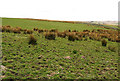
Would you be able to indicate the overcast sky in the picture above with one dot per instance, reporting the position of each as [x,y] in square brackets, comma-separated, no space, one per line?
[71,10]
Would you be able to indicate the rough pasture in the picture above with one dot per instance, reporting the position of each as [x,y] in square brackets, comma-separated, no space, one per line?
[27,56]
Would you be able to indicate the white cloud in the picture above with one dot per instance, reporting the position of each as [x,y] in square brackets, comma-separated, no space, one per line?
[79,10]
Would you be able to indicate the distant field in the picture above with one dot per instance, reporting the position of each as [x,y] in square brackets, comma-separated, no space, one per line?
[30,24]
[59,58]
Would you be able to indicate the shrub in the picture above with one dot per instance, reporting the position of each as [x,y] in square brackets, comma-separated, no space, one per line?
[112,48]
[104,42]
[50,35]
[32,40]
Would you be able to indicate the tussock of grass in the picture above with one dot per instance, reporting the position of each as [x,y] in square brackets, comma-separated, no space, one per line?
[32,40]
[50,36]
[104,42]
[112,48]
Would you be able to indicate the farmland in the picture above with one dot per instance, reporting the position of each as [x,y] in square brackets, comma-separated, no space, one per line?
[58,50]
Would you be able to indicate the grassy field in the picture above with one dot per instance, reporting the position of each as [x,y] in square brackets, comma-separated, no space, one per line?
[55,59]
[30,24]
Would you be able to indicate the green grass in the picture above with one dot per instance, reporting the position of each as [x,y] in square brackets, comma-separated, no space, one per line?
[46,59]
[30,24]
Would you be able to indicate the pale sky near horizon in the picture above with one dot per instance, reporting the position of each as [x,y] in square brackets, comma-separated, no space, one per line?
[70,10]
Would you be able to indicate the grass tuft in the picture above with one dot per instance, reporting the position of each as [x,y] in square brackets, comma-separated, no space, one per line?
[50,35]
[104,42]
[112,48]
[32,40]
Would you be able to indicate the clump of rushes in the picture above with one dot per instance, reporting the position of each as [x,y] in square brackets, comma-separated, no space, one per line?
[71,37]
[112,48]
[15,30]
[35,29]
[45,30]
[32,40]
[40,30]
[4,28]
[74,31]
[104,42]
[8,30]
[50,35]
[28,31]
[61,34]
[53,30]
